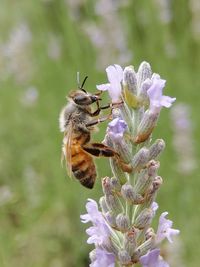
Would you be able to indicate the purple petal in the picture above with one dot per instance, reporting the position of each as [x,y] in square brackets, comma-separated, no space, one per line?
[154,207]
[156,97]
[115,75]
[103,259]
[116,129]
[167,101]
[103,87]
[164,229]
[153,259]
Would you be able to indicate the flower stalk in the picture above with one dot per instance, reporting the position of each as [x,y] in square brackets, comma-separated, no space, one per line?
[122,231]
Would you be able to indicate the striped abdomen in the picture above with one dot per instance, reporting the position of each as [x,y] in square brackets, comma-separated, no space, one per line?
[82,163]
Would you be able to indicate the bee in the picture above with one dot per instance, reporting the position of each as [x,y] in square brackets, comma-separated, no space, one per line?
[77,123]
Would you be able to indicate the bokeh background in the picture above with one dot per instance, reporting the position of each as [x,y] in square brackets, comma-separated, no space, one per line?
[43,43]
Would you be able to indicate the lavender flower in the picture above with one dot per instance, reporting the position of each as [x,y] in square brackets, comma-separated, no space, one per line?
[116,129]
[99,232]
[164,229]
[102,258]
[157,100]
[115,75]
[122,232]
[153,259]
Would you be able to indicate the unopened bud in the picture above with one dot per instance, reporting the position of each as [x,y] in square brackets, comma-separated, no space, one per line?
[144,218]
[118,172]
[157,182]
[146,126]
[103,205]
[130,79]
[151,194]
[124,257]
[129,194]
[146,246]
[140,159]
[149,233]
[122,222]
[116,186]
[152,167]
[113,203]
[130,242]
[146,177]
[111,218]
[156,148]
[106,185]
[143,96]
[144,72]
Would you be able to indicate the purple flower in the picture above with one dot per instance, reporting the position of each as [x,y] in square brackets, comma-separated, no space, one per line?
[99,233]
[103,259]
[164,229]
[154,207]
[116,129]
[153,259]
[157,99]
[115,75]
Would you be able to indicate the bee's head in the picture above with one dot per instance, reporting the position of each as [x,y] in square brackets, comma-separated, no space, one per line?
[83,98]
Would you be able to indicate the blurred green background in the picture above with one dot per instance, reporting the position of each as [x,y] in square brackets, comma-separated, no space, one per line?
[43,43]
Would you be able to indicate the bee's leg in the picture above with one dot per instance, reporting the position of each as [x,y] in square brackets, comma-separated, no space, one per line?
[101,150]
[99,108]
[97,121]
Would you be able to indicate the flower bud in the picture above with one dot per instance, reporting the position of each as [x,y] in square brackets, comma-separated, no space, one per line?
[149,233]
[144,72]
[124,257]
[146,126]
[143,219]
[145,177]
[118,172]
[130,242]
[113,203]
[143,96]
[151,194]
[122,222]
[140,159]
[116,186]
[130,87]
[130,79]
[156,148]
[106,185]
[147,245]
[129,194]
[110,218]
[103,205]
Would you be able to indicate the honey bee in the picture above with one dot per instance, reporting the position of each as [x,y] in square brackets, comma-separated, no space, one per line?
[77,124]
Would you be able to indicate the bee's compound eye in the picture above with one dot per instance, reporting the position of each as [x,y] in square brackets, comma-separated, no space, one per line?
[81,99]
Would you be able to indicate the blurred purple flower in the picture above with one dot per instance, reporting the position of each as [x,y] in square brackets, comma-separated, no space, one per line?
[116,129]
[164,229]
[99,233]
[157,99]
[103,259]
[153,259]
[115,75]
[154,207]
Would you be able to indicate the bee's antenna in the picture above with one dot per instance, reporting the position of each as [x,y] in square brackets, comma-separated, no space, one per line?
[78,78]
[78,81]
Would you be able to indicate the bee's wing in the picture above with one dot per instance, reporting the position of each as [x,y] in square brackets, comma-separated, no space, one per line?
[66,150]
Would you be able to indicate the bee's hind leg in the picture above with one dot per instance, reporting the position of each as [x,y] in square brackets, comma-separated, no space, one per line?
[101,150]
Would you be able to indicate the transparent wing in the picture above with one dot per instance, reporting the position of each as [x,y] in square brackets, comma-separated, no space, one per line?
[66,150]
